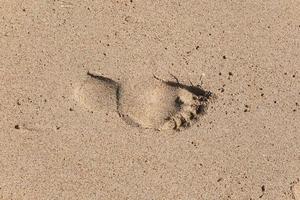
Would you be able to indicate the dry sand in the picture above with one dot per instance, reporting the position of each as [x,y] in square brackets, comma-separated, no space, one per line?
[61,134]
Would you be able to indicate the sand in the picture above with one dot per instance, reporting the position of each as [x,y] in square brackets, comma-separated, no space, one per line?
[65,136]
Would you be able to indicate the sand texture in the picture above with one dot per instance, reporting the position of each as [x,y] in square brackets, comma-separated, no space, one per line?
[136,99]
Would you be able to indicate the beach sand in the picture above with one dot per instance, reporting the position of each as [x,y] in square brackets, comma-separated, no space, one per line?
[67,135]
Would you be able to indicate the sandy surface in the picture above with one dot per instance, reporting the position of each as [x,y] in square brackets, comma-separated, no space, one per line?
[61,135]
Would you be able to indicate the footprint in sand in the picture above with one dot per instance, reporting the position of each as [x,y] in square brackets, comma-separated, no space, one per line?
[154,103]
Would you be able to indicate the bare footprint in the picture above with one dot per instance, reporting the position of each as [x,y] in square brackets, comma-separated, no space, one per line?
[153,103]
